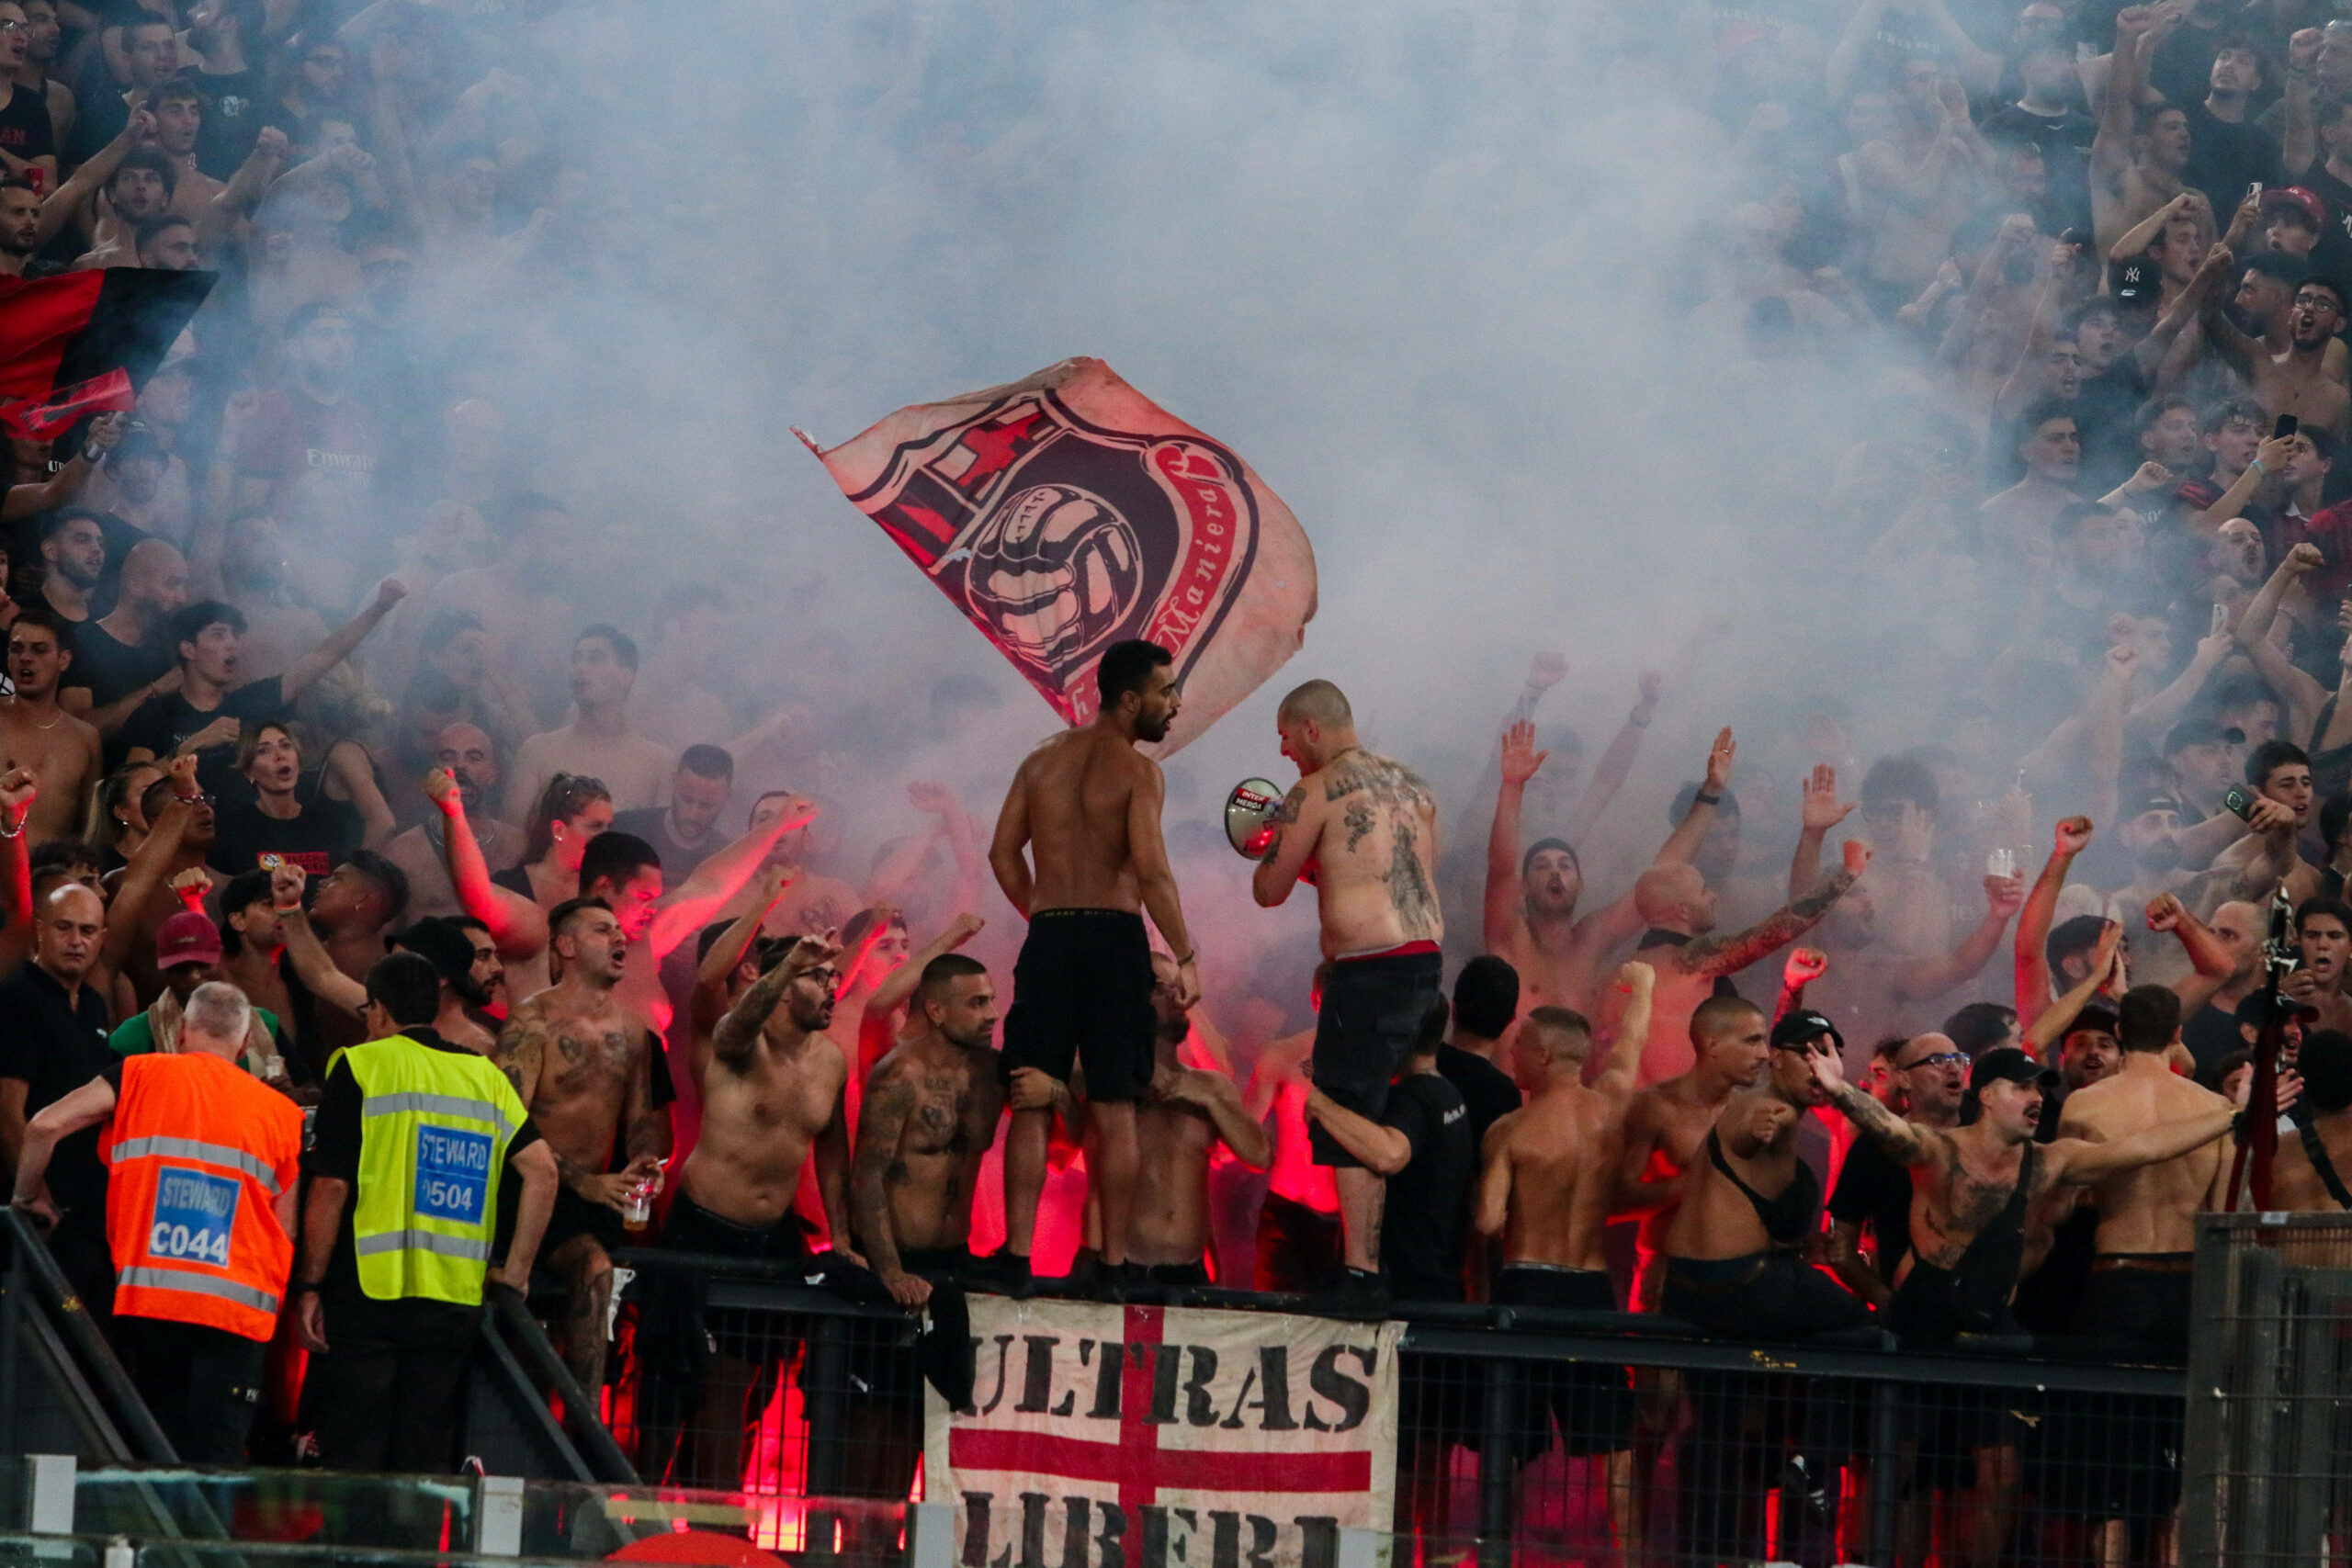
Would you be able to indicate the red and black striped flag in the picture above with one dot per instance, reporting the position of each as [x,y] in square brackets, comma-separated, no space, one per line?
[84,343]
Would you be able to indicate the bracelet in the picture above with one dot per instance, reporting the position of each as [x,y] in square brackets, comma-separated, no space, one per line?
[1187,958]
[304,1287]
[17,831]
[2257,468]
[1704,798]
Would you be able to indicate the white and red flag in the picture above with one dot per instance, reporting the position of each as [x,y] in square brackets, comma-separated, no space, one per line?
[1067,511]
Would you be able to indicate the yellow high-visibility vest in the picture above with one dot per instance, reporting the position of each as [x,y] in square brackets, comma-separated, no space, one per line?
[434,1131]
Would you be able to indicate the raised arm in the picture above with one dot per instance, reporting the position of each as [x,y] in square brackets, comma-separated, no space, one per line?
[1621,1070]
[2031,960]
[892,993]
[2118,117]
[740,1030]
[2050,1024]
[1932,977]
[30,500]
[16,792]
[1619,920]
[1729,955]
[516,924]
[150,860]
[311,963]
[340,642]
[699,900]
[59,207]
[1821,811]
[1505,899]
[1902,1142]
[1616,763]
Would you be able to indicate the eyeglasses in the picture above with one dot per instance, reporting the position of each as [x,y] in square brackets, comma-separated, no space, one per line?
[1941,1059]
[14,26]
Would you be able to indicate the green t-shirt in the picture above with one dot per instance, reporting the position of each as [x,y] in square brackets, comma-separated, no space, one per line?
[137,1037]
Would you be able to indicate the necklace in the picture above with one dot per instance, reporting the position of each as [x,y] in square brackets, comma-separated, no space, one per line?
[53,724]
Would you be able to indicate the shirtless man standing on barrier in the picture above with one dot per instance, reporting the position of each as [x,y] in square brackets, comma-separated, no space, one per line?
[1368,826]
[1087,803]
[1550,1172]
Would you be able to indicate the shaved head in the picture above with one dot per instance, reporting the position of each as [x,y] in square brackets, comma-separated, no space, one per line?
[1319,703]
[1719,1016]
[1663,892]
[1559,1032]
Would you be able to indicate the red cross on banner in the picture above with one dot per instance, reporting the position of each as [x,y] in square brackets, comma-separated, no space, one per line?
[1145,1425]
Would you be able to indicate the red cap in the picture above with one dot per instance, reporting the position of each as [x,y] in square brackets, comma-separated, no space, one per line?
[186,938]
[2306,202]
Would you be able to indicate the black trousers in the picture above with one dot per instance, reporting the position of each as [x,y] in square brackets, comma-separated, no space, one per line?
[386,1407]
[202,1383]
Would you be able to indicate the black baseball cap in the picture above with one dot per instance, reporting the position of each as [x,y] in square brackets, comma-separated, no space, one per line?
[2135,280]
[1803,1025]
[2096,1018]
[2254,1010]
[2006,1064]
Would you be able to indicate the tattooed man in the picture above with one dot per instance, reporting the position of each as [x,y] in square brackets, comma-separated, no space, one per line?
[1364,828]
[584,1065]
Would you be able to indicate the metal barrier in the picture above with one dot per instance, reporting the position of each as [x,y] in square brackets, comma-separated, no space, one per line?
[1575,1434]
[2270,1449]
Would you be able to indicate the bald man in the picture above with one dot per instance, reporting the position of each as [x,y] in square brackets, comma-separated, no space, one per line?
[1679,907]
[470,756]
[1367,827]
[126,656]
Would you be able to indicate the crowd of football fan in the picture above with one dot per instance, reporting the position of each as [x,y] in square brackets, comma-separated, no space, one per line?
[368,942]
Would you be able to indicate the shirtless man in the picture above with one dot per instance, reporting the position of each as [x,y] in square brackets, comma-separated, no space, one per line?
[1185,1115]
[1298,1223]
[1366,827]
[471,757]
[2313,1173]
[583,1066]
[1089,803]
[2134,169]
[2139,1284]
[1549,1175]
[2308,380]
[1666,1125]
[771,1082]
[1679,910]
[1530,906]
[599,742]
[61,751]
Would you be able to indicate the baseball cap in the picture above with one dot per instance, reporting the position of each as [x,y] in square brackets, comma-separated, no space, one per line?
[439,944]
[186,938]
[2200,732]
[2096,1018]
[2154,800]
[1802,1025]
[2303,201]
[2006,1064]
[2254,1010]
[2135,280]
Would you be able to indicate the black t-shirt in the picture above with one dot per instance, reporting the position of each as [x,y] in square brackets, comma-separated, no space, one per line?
[160,724]
[2223,159]
[2210,1035]
[2065,139]
[55,1046]
[1420,1249]
[1874,1193]
[25,130]
[652,823]
[2330,258]
[319,839]
[1486,1089]
[351,1313]
[515,880]
[2106,415]
[110,667]
[233,117]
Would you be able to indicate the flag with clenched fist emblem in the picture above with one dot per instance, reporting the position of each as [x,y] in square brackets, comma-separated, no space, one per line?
[1068,512]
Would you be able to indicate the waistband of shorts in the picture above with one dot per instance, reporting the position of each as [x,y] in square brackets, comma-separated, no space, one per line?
[1309,1210]
[1557,1270]
[1402,950]
[1036,915]
[2145,1262]
[785,1221]
[1707,1275]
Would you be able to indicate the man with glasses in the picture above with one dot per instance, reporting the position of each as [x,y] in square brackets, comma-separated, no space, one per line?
[1929,1075]
[28,136]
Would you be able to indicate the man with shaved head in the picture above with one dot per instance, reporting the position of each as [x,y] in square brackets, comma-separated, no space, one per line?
[1365,829]
[54,1042]
[471,757]
[123,658]
[1679,907]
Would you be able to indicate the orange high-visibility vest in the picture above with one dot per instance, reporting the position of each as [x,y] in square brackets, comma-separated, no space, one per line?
[199,1149]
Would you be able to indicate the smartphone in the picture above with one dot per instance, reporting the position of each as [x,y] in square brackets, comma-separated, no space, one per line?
[2221,620]
[2238,801]
[2285,426]
[2255,190]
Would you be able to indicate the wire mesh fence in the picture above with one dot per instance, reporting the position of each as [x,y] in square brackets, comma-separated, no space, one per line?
[2269,1446]
[1601,1438]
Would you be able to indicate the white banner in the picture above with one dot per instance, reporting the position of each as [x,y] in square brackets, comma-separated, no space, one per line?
[1110,1436]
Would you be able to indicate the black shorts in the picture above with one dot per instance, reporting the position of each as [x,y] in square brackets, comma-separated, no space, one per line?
[1081,992]
[574,1216]
[1764,1295]
[1298,1247]
[2133,1444]
[879,1367]
[1591,1404]
[745,1336]
[1372,1009]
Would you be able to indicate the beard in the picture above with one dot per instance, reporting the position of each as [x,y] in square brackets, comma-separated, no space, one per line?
[1152,729]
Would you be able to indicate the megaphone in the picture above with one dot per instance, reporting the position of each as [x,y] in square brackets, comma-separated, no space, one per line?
[1250,816]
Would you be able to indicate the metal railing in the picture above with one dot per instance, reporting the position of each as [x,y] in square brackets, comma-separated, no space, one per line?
[2269,1465]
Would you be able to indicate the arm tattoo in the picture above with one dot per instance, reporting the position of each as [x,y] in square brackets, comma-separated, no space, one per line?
[741,1025]
[1285,816]
[880,1123]
[1899,1140]
[1728,954]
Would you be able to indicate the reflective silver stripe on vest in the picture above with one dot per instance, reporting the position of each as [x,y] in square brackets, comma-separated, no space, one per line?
[192,1148]
[200,1284]
[447,1104]
[423,1241]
